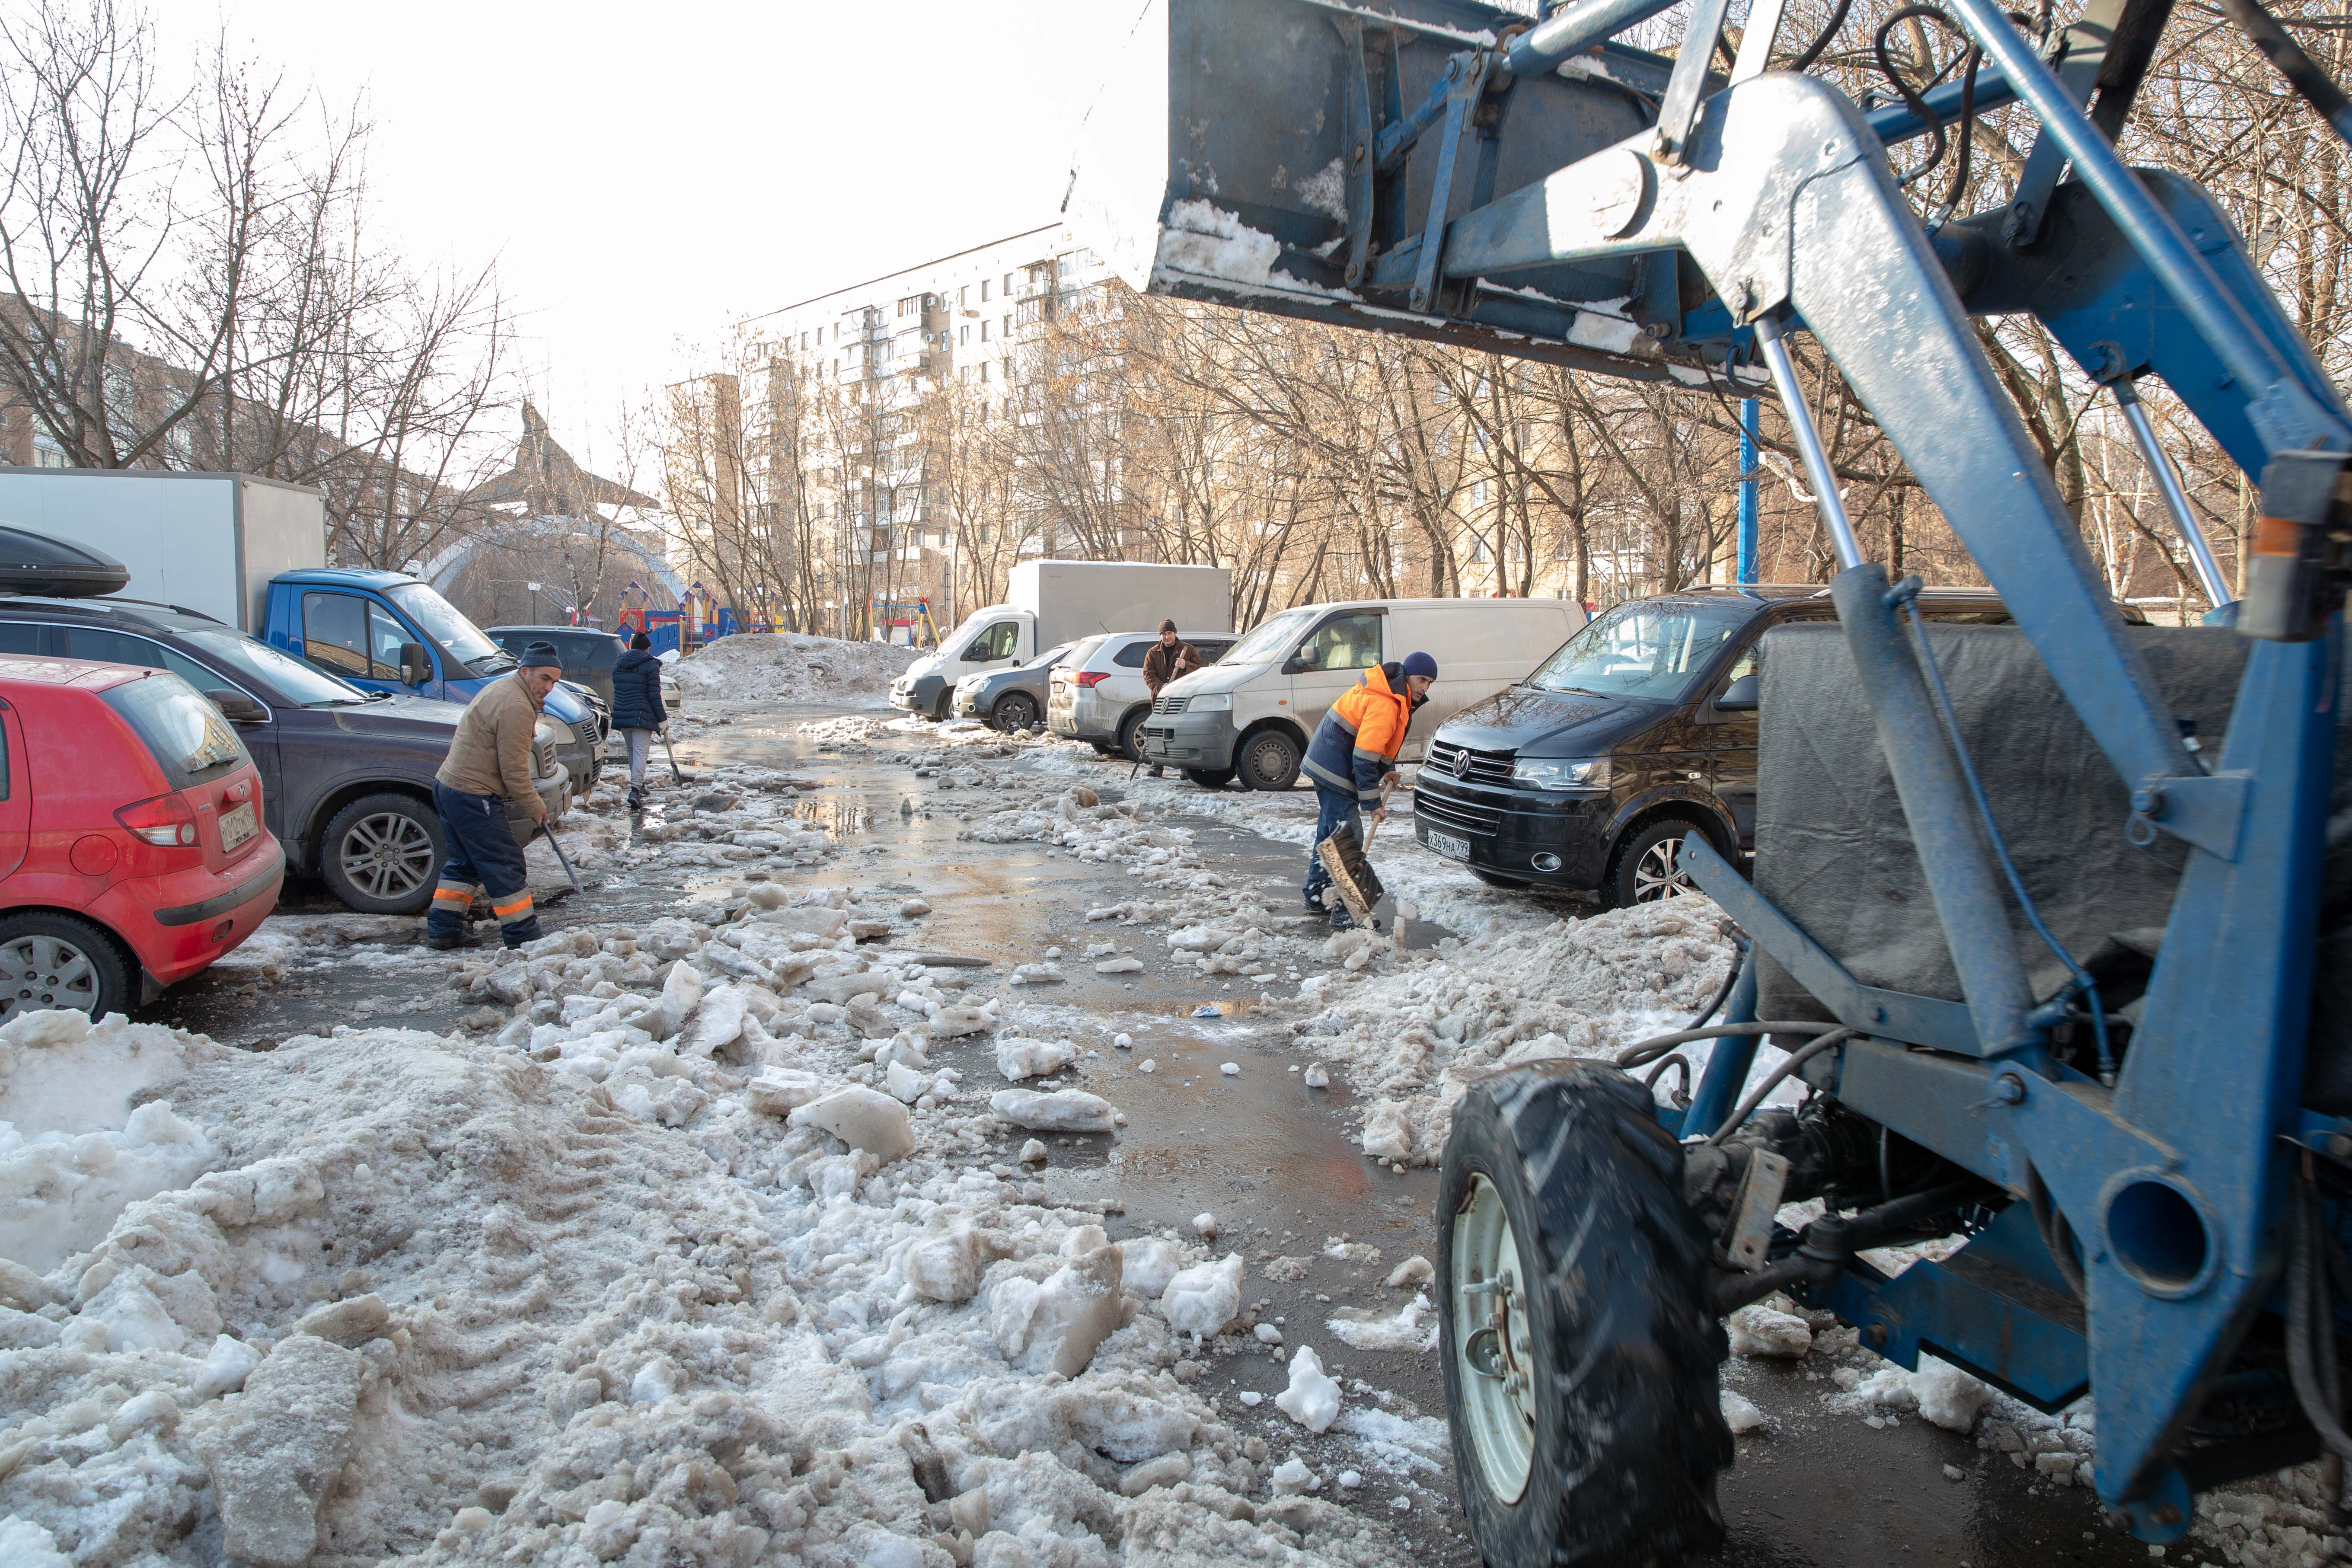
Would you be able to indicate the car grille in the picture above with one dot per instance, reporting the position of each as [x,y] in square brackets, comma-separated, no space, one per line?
[1468,765]
[587,729]
[1168,705]
[1454,815]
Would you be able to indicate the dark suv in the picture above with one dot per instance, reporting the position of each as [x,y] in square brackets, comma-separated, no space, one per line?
[1639,731]
[346,774]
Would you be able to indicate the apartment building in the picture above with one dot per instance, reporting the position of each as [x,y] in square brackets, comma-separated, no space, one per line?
[850,401]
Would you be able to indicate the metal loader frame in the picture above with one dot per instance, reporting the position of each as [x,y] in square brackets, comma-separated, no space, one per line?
[1773,191]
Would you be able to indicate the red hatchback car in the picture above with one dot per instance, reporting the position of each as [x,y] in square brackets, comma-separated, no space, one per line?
[131,848]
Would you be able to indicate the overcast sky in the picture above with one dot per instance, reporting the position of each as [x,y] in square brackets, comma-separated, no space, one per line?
[645,174]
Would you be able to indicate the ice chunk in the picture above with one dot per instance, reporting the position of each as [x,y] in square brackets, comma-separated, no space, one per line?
[863,1119]
[1151,1262]
[1387,1134]
[782,1091]
[1230,1069]
[1317,1076]
[1948,1396]
[1166,1470]
[1313,1398]
[1121,1041]
[1032,1153]
[1413,1327]
[1063,1111]
[1018,1058]
[1120,966]
[281,1445]
[1055,1326]
[948,1268]
[1268,1334]
[1203,1298]
[1739,1413]
[905,1084]
[226,1368]
[23,1544]
[1759,1331]
[1292,1476]
[1204,1224]
[1410,1273]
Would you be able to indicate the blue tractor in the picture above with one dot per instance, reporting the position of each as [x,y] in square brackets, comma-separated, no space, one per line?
[2069,974]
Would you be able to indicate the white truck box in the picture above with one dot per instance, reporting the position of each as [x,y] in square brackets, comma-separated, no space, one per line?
[1050,602]
[209,543]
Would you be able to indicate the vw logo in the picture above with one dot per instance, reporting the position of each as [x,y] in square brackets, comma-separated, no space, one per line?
[1462,764]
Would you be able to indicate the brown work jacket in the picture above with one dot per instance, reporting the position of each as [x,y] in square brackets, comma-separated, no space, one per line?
[1164,664]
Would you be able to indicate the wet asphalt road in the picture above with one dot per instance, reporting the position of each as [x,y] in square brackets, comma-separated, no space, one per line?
[1274,1161]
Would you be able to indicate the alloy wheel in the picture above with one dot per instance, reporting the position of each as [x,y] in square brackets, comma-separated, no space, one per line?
[41,972]
[1656,875]
[387,855]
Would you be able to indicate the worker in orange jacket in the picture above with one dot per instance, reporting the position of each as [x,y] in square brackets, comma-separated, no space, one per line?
[1354,754]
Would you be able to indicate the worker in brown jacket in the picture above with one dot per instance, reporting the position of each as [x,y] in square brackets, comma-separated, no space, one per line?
[489,765]
[1170,659]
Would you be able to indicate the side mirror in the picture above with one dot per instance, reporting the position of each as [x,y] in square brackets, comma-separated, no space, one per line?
[236,707]
[1295,663]
[1740,697]
[415,670]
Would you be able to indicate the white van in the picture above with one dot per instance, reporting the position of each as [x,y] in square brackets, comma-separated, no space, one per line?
[1253,712]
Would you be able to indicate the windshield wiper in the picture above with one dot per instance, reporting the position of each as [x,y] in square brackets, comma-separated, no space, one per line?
[339,702]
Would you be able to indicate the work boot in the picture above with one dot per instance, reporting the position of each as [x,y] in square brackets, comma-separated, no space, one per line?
[637,798]
[452,943]
[1157,772]
[1314,902]
[1340,919]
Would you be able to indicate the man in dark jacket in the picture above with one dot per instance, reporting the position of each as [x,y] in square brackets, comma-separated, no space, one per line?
[1170,659]
[637,709]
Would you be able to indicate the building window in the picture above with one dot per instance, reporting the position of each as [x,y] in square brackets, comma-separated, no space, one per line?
[983,331]
[963,335]
[963,295]
[983,290]
[1008,284]
[1008,326]
[983,373]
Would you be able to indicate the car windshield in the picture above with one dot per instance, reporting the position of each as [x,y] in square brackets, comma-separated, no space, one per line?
[1050,658]
[1649,648]
[1272,640]
[447,624]
[291,679]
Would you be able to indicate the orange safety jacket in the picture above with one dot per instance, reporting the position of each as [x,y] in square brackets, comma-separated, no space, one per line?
[1357,742]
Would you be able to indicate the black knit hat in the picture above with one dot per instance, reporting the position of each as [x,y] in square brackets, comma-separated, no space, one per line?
[542,654]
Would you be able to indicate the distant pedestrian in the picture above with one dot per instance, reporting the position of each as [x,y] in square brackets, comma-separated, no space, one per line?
[637,711]
[1170,659]
[488,766]
[1355,754]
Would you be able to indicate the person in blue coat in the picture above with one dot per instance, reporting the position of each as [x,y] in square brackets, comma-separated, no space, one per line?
[637,709]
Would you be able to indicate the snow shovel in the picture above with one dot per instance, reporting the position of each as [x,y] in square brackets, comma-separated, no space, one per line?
[663,733]
[1352,875]
[563,860]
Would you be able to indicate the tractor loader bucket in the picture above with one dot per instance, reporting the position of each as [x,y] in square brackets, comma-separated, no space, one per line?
[1234,156]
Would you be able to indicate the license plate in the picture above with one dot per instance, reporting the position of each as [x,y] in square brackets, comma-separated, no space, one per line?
[238,826]
[1446,844]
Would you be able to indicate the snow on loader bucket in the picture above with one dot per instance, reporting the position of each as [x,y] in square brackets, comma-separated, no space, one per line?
[2119,1061]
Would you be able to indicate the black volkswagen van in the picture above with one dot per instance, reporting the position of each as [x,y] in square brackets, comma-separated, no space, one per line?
[1640,731]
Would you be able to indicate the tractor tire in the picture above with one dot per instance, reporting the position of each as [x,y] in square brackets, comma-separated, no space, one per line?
[1268,760]
[1013,710]
[1585,1414]
[1642,872]
[1210,778]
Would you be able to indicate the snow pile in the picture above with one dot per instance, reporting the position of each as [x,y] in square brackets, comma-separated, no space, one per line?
[791,667]
[81,1137]
[1414,1035]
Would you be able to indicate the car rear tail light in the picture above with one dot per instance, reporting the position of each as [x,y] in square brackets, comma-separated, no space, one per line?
[166,821]
[1093,677]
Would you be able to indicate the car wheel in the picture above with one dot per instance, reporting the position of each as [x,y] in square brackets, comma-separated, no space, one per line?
[53,959]
[1645,870]
[1210,778]
[1268,760]
[1579,1345]
[1130,735]
[944,708]
[380,853]
[1015,710]
[1496,880]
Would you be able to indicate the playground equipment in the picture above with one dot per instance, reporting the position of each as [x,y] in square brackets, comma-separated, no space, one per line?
[2103,1061]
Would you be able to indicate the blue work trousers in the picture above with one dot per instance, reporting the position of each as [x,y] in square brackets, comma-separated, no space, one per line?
[484,856]
[1334,808]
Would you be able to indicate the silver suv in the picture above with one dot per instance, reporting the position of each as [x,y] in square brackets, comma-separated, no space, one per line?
[1097,692]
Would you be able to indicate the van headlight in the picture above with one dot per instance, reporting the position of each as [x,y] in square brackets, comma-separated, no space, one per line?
[1561,773]
[1210,702]
[547,732]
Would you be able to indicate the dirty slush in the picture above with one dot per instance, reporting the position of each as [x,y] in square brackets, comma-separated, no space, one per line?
[720,1235]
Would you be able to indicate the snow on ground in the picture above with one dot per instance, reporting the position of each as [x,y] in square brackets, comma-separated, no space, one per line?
[791,667]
